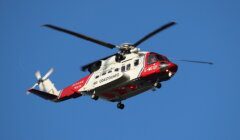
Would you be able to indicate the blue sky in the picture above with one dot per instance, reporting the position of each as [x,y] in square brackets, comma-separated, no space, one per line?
[200,102]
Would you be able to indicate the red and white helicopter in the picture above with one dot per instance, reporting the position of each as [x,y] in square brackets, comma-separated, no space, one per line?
[114,78]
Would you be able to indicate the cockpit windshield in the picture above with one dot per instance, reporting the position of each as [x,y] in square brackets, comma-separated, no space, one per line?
[152,58]
[160,58]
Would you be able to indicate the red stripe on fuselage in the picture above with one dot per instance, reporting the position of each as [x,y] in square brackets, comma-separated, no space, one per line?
[74,88]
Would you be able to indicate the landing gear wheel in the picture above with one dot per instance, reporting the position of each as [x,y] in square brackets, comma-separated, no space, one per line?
[95,97]
[157,85]
[120,105]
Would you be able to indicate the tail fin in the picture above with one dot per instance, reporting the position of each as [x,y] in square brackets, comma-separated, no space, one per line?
[48,86]
[47,90]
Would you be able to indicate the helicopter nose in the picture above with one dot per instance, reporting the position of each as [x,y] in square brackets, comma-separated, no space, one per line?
[172,67]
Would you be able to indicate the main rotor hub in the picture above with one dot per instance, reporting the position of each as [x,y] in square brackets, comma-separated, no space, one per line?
[126,47]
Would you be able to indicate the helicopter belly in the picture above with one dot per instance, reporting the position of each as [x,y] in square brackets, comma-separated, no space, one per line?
[127,90]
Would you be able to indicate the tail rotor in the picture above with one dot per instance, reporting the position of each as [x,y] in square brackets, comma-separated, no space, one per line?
[41,79]
[46,90]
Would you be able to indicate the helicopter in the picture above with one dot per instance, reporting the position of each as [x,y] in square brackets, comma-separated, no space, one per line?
[114,78]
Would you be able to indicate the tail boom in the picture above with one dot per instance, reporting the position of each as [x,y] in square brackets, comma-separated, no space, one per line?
[48,91]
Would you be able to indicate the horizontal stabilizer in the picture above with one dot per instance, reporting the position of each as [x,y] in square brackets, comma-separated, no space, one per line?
[43,94]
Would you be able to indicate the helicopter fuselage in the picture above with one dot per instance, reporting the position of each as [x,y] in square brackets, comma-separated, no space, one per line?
[117,81]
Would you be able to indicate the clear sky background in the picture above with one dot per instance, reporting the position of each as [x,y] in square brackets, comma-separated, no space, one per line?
[200,103]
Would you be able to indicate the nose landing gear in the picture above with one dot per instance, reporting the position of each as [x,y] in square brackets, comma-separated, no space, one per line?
[94,97]
[157,85]
[120,105]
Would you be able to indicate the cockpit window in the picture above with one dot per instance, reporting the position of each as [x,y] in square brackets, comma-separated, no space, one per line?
[160,58]
[152,58]
[165,58]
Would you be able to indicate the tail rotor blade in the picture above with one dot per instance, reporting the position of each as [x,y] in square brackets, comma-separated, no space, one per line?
[34,85]
[38,75]
[47,74]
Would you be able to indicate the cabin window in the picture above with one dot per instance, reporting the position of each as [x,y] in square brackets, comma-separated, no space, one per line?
[123,68]
[136,62]
[128,66]
[103,73]
[96,76]
[117,69]
[109,71]
[152,58]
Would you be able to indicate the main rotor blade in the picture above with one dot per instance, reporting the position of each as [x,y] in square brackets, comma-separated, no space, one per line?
[154,33]
[194,61]
[105,44]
